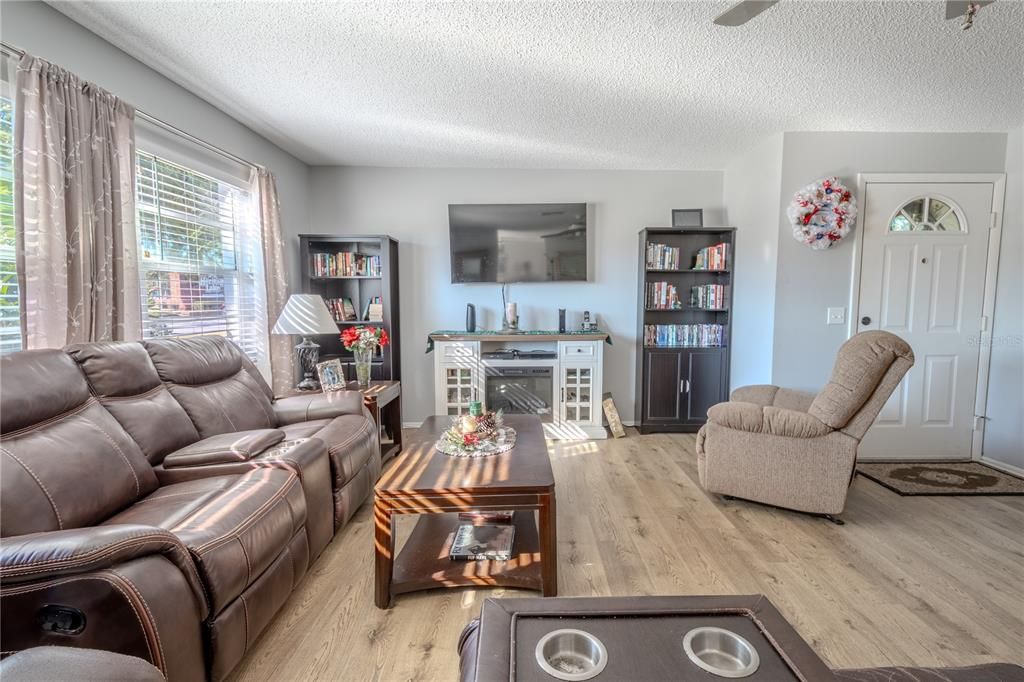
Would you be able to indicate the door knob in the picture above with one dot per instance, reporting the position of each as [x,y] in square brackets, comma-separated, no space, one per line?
[865,320]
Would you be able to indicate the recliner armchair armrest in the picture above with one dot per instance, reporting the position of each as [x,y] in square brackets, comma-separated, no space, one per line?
[328,405]
[38,556]
[767,394]
[767,419]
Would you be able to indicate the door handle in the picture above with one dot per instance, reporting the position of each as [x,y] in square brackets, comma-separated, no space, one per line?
[684,386]
[865,320]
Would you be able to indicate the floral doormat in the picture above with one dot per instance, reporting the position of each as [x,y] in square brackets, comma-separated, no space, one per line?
[941,478]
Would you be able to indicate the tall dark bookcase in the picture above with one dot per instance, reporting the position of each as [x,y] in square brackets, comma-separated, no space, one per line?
[679,378]
[360,289]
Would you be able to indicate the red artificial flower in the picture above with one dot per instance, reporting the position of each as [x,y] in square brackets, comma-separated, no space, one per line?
[834,236]
[470,439]
[384,340]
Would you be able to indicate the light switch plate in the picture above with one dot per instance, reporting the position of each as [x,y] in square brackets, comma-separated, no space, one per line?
[837,316]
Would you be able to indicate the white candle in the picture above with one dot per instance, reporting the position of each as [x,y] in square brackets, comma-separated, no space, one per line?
[510,313]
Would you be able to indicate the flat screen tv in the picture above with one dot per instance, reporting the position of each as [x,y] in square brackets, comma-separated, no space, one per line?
[518,242]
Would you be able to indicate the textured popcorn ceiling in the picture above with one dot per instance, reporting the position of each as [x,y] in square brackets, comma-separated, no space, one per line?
[572,85]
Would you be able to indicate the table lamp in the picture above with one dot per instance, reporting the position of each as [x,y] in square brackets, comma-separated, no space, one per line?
[306,314]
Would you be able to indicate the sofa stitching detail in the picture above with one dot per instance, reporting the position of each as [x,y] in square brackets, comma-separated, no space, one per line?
[248,520]
[56,418]
[135,396]
[110,439]
[151,619]
[60,522]
[92,555]
[338,446]
[248,563]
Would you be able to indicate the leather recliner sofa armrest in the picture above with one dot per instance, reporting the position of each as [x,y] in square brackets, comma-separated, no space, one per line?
[39,556]
[767,419]
[224,448]
[303,408]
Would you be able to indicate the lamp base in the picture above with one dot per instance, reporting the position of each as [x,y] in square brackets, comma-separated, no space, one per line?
[309,354]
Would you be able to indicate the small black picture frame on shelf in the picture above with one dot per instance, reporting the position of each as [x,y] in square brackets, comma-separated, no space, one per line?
[688,217]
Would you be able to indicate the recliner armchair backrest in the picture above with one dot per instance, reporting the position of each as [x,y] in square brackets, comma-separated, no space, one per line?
[868,368]
[214,381]
[124,379]
[67,463]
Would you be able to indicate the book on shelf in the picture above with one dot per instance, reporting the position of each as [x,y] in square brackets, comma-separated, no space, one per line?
[346,264]
[684,335]
[709,296]
[341,309]
[485,517]
[489,541]
[712,257]
[663,296]
[374,310]
[663,257]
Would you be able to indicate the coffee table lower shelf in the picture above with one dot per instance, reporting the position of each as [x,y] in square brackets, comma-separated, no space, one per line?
[423,561]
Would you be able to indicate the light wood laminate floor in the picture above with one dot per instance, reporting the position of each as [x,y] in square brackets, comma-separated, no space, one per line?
[908,580]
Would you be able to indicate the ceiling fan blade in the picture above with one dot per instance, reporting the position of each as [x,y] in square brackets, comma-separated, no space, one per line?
[742,12]
[957,8]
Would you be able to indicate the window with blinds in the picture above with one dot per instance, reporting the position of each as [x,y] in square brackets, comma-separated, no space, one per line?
[200,256]
[10,324]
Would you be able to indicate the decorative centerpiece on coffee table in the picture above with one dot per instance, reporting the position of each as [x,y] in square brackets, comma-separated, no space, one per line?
[477,434]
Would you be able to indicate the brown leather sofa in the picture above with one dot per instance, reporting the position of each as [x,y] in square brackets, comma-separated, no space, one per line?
[156,501]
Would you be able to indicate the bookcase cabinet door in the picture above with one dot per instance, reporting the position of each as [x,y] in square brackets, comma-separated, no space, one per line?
[705,372]
[664,383]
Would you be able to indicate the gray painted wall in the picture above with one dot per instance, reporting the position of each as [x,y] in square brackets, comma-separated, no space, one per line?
[752,186]
[412,206]
[45,32]
[1004,430]
[808,282]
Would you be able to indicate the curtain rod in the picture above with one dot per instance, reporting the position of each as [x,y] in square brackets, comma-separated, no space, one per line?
[15,52]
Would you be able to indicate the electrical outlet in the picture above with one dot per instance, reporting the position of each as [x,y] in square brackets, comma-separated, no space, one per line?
[836,315]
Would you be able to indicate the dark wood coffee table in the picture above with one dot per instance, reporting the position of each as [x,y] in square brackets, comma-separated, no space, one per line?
[429,483]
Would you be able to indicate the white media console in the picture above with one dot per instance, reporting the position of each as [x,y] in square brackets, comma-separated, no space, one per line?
[555,376]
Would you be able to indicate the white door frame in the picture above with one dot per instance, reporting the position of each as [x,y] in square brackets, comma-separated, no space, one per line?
[998,181]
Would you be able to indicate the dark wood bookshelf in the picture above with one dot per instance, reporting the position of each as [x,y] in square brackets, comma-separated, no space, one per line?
[360,289]
[676,384]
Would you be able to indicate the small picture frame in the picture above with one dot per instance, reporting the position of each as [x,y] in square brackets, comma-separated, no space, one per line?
[332,375]
[688,217]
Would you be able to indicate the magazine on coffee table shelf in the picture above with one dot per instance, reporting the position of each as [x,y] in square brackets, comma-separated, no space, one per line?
[485,517]
[489,541]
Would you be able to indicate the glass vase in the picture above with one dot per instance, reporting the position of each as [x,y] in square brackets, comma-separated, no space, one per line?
[363,359]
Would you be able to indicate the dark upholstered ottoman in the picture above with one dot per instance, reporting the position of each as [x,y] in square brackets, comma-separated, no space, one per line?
[642,639]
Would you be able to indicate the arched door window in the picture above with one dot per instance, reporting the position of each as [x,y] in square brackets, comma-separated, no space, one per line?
[926,214]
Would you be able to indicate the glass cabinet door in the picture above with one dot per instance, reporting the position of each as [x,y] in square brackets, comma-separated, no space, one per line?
[577,389]
[460,388]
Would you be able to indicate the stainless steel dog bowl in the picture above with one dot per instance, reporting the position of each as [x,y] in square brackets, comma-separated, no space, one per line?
[571,655]
[721,652]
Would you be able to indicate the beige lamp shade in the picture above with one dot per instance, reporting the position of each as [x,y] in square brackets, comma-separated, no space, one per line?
[305,314]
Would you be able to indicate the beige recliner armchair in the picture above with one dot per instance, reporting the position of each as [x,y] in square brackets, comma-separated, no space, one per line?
[797,450]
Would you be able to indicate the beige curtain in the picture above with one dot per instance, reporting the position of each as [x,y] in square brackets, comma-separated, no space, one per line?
[74,170]
[282,355]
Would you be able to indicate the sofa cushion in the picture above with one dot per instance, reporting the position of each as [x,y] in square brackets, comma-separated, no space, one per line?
[860,365]
[123,377]
[234,526]
[351,441]
[215,382]
[53,431]
[767,419]
[224,448]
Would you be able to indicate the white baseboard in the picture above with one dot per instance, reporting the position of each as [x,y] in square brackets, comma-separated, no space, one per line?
[1002,466]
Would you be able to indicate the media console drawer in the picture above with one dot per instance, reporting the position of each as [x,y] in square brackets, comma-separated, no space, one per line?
[586,349]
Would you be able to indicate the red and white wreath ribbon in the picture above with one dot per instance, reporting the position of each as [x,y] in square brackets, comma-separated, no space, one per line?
[822,213]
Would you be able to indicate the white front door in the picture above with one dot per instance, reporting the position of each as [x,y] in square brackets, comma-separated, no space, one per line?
[922,278]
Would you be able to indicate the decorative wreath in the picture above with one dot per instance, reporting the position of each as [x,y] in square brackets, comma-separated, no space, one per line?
[822,213]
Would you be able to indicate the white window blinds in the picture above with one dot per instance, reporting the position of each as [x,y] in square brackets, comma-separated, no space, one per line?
[10,323]
[200,256]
